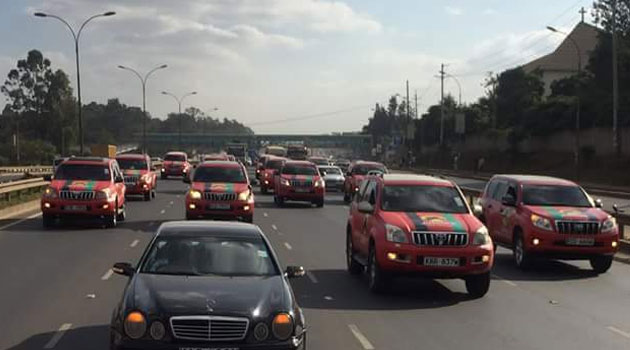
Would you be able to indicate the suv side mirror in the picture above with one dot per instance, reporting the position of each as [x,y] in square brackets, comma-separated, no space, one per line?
[509,201]
[119,179]
[294,271]
[123,268]
[598,203]
[48,178]
[365,207]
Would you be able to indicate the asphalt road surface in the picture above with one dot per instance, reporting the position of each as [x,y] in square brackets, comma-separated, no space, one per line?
[57,291]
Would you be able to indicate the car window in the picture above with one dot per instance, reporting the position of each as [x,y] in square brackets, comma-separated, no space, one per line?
[96,172]
[299,170]
[492,185]
[438,199]
[553,195]
[361,191]
[274,164]
[499,191]
[370,191]
[511,191]
[364,169]
[132,164]
[175,157]
[219,174]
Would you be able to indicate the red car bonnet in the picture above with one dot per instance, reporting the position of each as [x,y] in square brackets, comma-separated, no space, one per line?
[568,213]
[423,221]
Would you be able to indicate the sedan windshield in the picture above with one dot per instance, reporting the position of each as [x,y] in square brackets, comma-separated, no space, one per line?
[132,164]
[364,169]
[219,174]
[199,256]
[299,170]
[551,195]
[82,172]
[438,199]
[175,157]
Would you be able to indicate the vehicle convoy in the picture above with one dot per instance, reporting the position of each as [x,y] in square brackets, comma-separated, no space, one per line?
[208,285]
[318,160]
[299,181]
[270,170]
[539,216]
[85,187]
[139,175]
[238,150]
[220,190]
[297,152]
[414,225]
[357,171]
[175,164]
[333,176]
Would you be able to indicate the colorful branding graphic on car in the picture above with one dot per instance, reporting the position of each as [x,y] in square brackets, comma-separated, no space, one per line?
[219,187]
[78,185]
[559,213]
[132,172]
[435,221]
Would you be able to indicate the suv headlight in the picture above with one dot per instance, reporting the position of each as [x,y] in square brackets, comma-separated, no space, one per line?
[395,234]
[285,182]
[481,237]
[104,194]
[320,183]
[609,225]
[541,222]
[194,194]
[243,196]
[50,192]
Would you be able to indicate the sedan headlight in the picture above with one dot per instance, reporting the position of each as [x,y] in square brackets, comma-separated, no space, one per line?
[282,326]
[194,194]
[541,222]
[395,234]
[481,237]
[50,192]
[135,325]
[243,196]
[320,183]
[609,225]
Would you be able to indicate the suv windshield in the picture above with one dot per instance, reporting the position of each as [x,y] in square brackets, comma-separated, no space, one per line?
[175,157]
[438,199]
[198,256]
[299,170]
[274,164]
[552,195]
[82,172]
[132,164]
[219,174]
[364,169]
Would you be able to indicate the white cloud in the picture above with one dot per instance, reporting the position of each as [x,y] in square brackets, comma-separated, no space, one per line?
[489,12]
[453,10]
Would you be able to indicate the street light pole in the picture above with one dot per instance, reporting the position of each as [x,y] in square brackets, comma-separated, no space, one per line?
[143,81]
[76,35]
[179,108]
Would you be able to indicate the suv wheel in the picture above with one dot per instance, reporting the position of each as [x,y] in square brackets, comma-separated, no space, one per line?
[478,285]
[602,263]
[263,190]
[48,221]
[346,197]
[111,221]
[248,219]
[147,196]
[319,203]
[376,277]
[519,253]
[353,266]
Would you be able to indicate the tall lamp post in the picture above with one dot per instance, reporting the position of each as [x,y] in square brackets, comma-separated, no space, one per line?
[143,81]
[576,151]
[179,110]
[77,35]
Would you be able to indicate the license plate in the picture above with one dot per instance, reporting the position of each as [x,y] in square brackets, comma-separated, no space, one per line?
[219,206]
[434,261]
[195,348]
[583,242]
[75,207]
[302,190]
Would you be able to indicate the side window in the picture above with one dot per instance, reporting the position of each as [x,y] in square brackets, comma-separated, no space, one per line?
[359,195]
[511,190]
[499,190]
[492,185]
[370,192]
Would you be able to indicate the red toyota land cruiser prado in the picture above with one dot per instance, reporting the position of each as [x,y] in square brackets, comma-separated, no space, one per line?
[85,187]
[270,170]
[539,216]
[140,179]
[299,180]
[356,172]
[419,226]
[221,190]
[175,164]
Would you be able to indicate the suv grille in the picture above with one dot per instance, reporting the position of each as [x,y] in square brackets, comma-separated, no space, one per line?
[578,227]
[298,183]
[220,197]
[446,239]
[131,179]
[77,195]
[214,328]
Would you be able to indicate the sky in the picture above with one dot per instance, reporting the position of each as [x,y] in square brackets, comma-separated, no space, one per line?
[285,66]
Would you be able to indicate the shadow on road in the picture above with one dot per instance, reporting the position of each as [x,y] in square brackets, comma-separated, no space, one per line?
[86,226]
[540,270]
[92,337]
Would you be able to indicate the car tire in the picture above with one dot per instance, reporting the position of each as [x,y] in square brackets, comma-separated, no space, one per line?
[320,203]
[189,216]
[478,285]
[377,280]
[111,221]
[519,253]
[601,263]
[263,190]
[147,196]
[346,197]
[248,219]
[48,221]
[153,193]
[163,177]
[354,268]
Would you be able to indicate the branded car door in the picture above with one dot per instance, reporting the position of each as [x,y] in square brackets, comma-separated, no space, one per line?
[369,195]
[507,214]
[492,209]
[357,217]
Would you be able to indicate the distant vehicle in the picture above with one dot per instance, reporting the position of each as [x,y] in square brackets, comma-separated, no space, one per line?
[231,158]
[220,190]
[356,172]
[238,150]
[277,151]
[156,160]
[297,152]
[540,216]
[89,187]
[270,171]
[175,164]
[260,166]
[139,175]
[342,164]
[299,181]
[416,226]
[208,285]
[333,176]
[215,157]
[105,151]
[319,160]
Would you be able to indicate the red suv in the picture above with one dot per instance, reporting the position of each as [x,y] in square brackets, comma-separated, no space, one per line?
[420,226]
[139,175]
[551,217]
[270,170]
[175,164]
[260,166]
[356,173]
[299,180]
[220,189]
[85,187]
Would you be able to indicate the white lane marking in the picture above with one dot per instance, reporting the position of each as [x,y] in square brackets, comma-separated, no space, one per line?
[57,336]
[178,196]
[274,227]
[107,275]
[163,211]
[265,214]
[619,331]
[170,203]
[360,337]
[288,246]
[328,298]
[508,282]
[311,276]
[20,221]
[134,243]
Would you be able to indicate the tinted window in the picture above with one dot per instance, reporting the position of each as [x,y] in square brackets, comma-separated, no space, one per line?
[437,199]
[274,164]
[330,170]
[499,191]
[492,185]
[299,170]
[362,187]
[184,255]
[219,174]
[175,157]
[82,172]
[364,169]
[370,191]
[132,164]
[570,196]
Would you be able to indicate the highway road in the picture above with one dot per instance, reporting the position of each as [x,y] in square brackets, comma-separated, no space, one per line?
[58,292]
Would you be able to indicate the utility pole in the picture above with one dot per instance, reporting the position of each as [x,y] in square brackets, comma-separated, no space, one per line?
[442,74]
[615,79]
[415,95]
[408,116]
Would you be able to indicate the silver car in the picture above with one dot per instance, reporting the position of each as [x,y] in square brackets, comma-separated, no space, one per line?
[333,176]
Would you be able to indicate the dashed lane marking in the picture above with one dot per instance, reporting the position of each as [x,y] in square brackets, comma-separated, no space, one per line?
[20,221]
[365,343]
[170,203]
[618,331]
[134,243]
[274,227]
[288,246]
[311,276]
[508,282]
[265,214]
[107,275]
[163,211]
[57,336]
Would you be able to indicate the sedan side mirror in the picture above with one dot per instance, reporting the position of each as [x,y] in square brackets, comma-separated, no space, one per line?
[186,179]
[295,271]
[598,203]
[48,178]
[123,268]
[365,207]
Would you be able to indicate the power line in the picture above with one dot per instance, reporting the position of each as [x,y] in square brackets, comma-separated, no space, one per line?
[307,117]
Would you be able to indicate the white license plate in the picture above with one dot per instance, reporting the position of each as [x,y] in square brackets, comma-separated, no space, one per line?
[582,242]
[434,261]
[219,206]
[302,190]
[75,207]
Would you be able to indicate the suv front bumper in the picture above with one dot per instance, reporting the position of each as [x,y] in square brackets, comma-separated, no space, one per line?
[570,246]
[59,207]
[209,209]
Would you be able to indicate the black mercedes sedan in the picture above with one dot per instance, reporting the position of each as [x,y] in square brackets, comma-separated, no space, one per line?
[208,285]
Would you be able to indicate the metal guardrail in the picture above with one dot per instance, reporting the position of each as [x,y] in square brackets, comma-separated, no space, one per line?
[41,169]
[17,189]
